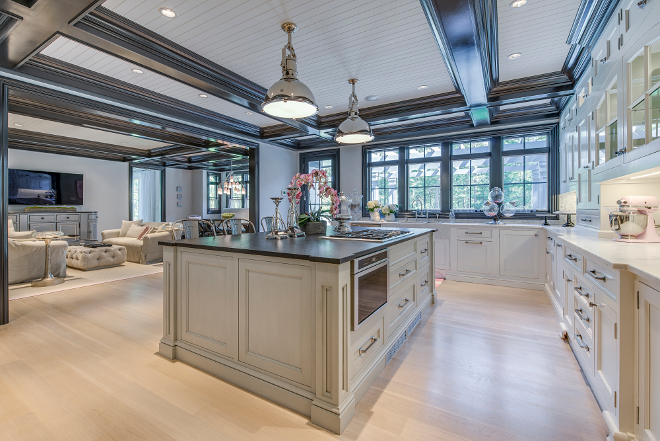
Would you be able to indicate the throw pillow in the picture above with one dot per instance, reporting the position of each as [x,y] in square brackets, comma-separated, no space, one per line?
[137,231]
[125,225]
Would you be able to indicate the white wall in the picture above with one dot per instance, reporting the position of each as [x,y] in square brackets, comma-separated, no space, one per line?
[174,178]
[277,166]
[105,182]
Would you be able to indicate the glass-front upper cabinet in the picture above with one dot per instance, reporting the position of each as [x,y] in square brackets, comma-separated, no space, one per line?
[644,96]
[606,125]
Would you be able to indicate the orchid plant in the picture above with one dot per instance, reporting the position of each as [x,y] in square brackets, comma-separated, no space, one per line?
[317,180]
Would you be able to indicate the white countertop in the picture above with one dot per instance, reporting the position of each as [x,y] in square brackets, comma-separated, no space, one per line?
[642,259]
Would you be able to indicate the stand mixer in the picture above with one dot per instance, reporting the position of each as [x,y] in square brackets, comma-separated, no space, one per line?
[633,219]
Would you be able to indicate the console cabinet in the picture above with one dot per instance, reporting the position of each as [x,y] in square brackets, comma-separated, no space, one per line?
[81,223]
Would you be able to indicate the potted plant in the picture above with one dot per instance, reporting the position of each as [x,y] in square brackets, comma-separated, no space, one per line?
[314,223]
[374,210]
[389,211]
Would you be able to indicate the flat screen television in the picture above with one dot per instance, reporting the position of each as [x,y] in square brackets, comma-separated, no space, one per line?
[29,187]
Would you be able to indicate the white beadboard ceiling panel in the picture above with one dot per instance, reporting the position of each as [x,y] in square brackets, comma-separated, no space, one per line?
[538,31]
[70,131]
[84,56]
[525,104]
[386,44]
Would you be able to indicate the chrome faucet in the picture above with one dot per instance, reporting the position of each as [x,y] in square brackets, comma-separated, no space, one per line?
[421,210]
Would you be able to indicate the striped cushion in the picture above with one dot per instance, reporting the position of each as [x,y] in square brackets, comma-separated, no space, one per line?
[138,231]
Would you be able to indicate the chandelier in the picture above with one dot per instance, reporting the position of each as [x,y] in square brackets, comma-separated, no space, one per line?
[230,184]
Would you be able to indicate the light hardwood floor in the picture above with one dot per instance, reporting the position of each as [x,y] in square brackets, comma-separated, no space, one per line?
[485,364]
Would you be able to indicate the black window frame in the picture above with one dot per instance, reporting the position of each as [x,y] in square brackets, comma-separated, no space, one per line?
[305,158]
[496,169]
[528,152]
[217,196]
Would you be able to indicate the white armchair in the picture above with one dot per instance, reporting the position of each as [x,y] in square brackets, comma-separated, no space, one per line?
[27,259]
[145,250]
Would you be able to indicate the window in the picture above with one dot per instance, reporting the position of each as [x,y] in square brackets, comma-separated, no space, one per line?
[236,199]
[327,161]
[525,171]
[213,181]
[424,177]
[383,176]
[458,175]
[470,183]
[147,194]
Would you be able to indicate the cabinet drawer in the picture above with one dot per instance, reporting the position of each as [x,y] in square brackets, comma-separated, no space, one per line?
[574,258]
[364,349]
[474,233]
[402,272]
[425,282]
[42,218]
[584,314]
[584,292]
[401,305]
[92,216]
[588,220]
[423,250]
[68,218]
[606,279]
[584,347]
[400,252]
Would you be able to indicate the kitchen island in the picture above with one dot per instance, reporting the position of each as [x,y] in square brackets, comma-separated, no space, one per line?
[280,318]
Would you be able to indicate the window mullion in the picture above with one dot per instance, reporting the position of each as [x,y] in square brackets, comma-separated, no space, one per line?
[496,164]
[402,189]
[445,176]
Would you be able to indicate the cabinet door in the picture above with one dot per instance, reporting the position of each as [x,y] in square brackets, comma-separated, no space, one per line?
[92,230]
[607,354]
[519,254]
[569,287]
[276,317]
[474,257]
[43,226]
[649,363]
[441,252]
[69,228]
[558,275]
[209,302]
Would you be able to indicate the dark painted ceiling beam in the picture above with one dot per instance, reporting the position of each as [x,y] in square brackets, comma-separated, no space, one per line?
[458,27]
[111,33]
[37,25]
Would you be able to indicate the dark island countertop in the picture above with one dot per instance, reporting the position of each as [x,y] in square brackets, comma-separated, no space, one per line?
[311,248]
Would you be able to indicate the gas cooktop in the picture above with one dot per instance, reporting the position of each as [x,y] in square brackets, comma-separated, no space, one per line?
[370,235]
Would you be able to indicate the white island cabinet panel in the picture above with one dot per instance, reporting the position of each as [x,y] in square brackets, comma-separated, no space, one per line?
[519,254]
[209,306]
[607,354]
[276,297]
[649,363]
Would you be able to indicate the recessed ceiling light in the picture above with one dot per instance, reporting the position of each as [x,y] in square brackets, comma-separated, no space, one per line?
[514,56]
[371,98]
[422,87]
[167,12]
[328,107]
[248,113]
[203,95]
[518,3]
[18,125]
[137,71]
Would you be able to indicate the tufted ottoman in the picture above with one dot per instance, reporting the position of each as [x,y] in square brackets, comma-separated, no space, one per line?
[93,258]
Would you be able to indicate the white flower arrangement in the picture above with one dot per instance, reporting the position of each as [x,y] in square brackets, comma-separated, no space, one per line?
[373,205]
[385,210]
[393,208]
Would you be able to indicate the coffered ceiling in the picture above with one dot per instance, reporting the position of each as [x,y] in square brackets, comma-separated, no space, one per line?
[386,44]
[538,31]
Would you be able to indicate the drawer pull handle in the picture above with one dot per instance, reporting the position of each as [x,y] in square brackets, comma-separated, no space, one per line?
[578,312]
[559,245]
[425,251]
[404,273]
[585,220]
[571,257]
[581,343]
[426,282]
[549,238]
[401,305]
[594,274]
[578,289]
[472,232]
[372,341]
[547,252]
[474,243]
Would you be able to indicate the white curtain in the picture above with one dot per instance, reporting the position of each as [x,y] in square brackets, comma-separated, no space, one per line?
[147,195]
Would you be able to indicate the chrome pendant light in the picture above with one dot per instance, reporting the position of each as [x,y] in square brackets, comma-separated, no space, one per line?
[354,130]
[289,97]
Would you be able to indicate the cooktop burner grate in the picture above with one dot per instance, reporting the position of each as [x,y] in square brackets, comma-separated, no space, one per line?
[371,235]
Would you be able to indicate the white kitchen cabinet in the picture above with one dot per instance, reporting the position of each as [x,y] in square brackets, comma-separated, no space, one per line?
[277,296]
[475,257]
[607,354]
[442,259]
[209,307]
[519,254]
[648,328]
